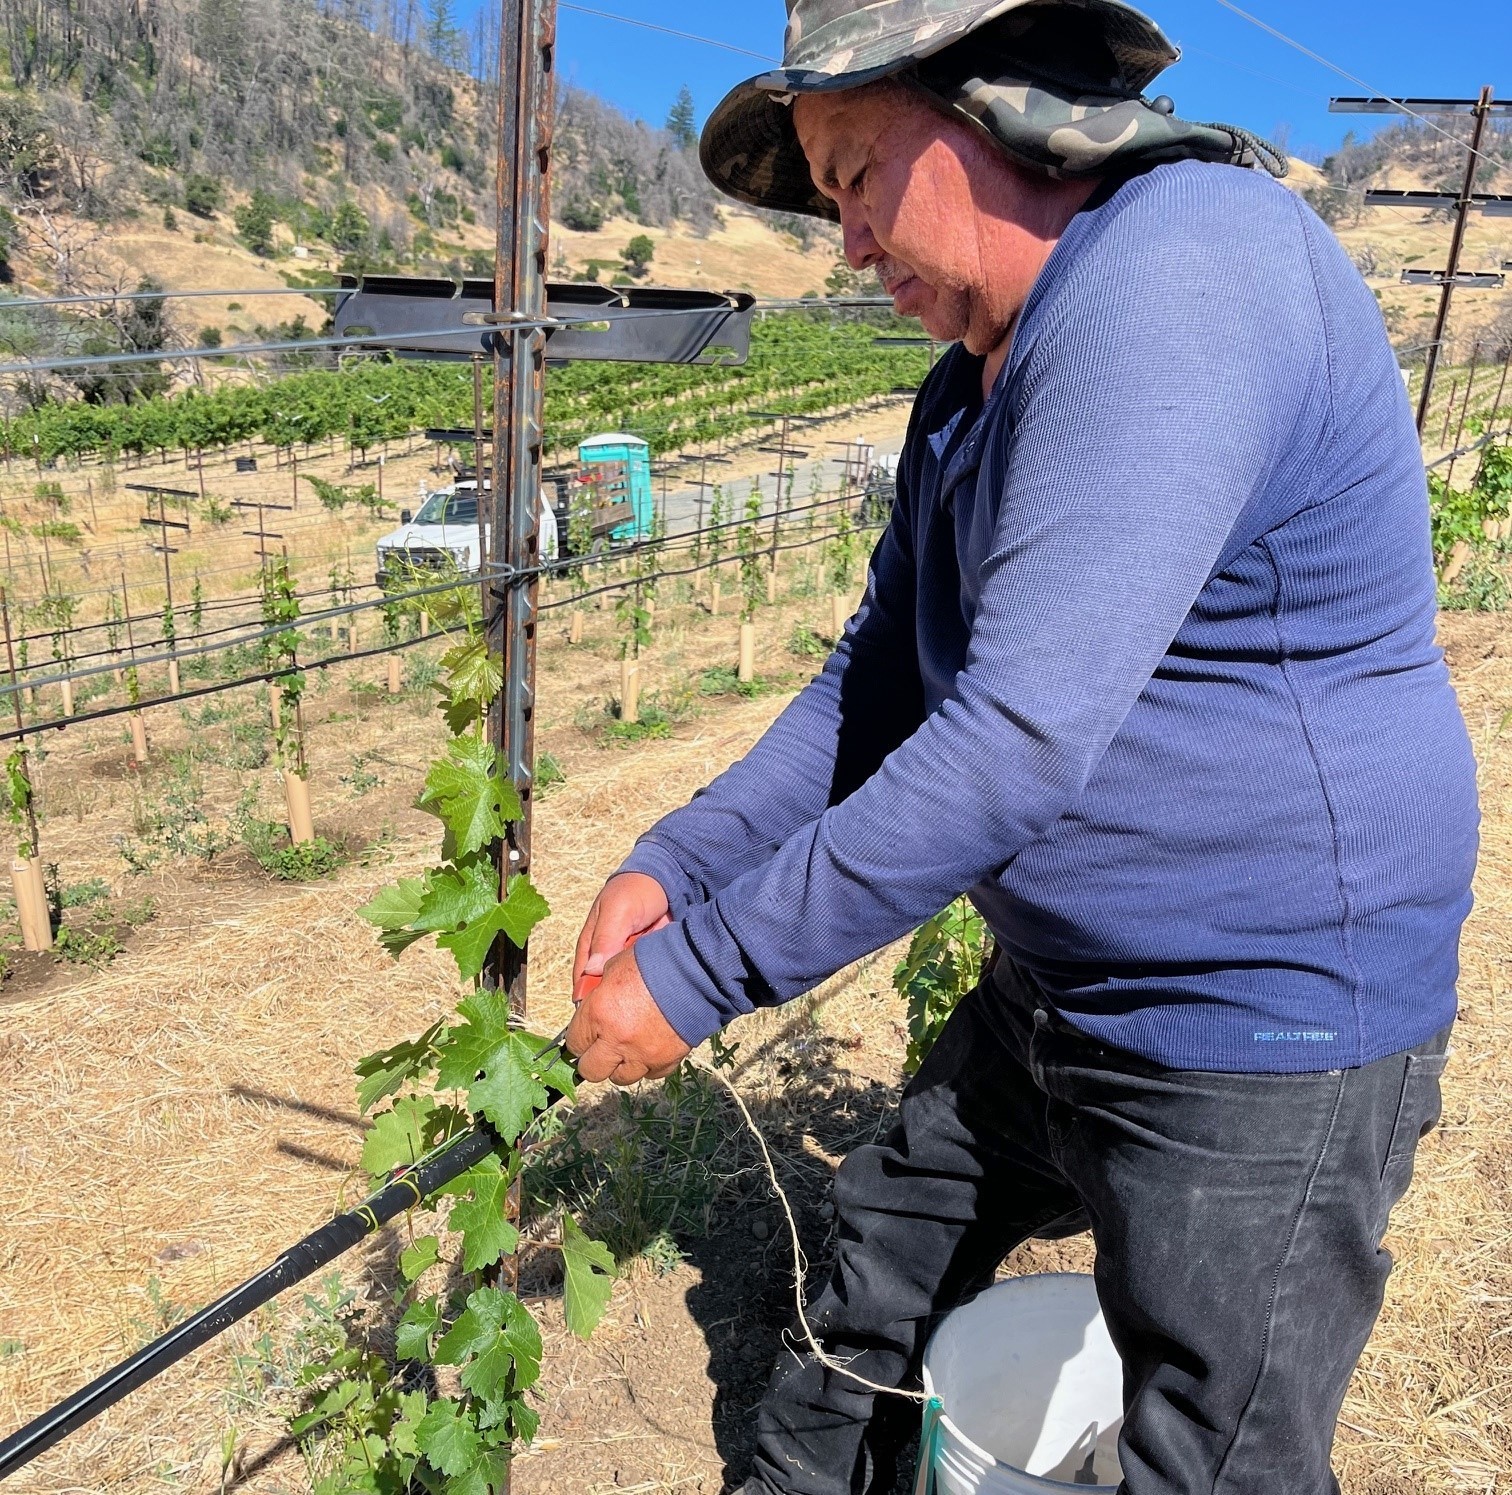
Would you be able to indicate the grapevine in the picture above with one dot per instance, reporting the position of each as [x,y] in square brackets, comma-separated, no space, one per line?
[476,1066]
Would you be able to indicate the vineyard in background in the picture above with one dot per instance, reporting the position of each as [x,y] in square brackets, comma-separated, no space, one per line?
[800,363]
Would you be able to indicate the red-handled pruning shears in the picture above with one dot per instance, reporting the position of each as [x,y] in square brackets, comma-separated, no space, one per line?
[585,984]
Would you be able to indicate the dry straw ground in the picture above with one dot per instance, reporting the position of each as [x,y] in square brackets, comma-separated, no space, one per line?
[169,1123]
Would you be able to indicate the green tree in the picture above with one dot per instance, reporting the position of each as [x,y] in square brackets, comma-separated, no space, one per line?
[27,154]
[585,215]
[442,34]
[8,232]
[349,226]
[255,220]
[682,123]
[638,253]
[202,195]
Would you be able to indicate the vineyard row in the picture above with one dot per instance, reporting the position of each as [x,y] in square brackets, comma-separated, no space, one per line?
[799,364]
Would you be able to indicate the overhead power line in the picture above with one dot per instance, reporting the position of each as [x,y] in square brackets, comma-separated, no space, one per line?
[1334,67]
[687,36]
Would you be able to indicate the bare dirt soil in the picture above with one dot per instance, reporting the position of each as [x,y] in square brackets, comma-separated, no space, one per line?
[172,1120]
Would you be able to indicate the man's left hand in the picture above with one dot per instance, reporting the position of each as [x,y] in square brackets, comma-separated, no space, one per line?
[618,1032]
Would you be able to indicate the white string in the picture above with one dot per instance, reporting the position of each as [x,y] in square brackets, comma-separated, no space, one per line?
[800,1263]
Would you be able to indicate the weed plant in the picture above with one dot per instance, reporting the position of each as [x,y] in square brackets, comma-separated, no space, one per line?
[804,643]
[944,962]
[647,1172]
[177,827]
[361,780]
[87,947]
[272,850]
[548,775]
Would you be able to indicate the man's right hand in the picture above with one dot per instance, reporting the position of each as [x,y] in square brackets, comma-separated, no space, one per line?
[628,906]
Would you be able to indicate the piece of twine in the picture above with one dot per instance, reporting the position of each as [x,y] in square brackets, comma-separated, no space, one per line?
[800,1263]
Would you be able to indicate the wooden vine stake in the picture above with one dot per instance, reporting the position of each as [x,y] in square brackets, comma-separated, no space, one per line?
[68,697]
[575,626]
[1459,558]
[839,612]
[629,689]
[747,670]
[395,676]
[26,869]
[280,608]
[133,683]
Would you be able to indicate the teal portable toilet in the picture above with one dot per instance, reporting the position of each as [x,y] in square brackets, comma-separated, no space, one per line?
[616,446]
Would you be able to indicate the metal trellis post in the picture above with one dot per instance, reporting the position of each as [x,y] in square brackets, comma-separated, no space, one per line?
[526,46]
[527,39]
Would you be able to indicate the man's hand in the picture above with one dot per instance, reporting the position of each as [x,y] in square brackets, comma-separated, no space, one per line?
[618,1032]
[627,907]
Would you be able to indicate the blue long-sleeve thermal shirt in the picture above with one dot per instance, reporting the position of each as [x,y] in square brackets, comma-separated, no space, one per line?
[1146,664]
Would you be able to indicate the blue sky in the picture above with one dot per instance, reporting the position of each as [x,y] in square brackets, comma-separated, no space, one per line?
[1230,69]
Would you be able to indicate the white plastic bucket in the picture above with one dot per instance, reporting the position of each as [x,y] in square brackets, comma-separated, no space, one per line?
[1032,1391]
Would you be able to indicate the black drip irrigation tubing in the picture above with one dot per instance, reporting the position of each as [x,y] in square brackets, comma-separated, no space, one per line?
[403,1191]
[626,583]
[182,651]
[61,723]
[191,647]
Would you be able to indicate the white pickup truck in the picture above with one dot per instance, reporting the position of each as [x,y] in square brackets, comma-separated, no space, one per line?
[444,535]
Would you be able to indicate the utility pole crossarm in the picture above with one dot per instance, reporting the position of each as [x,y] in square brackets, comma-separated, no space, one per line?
[1481,108]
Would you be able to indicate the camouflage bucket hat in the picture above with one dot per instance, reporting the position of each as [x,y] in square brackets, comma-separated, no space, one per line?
[1058,84]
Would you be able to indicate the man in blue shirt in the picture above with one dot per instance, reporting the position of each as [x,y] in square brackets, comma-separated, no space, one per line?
[1146,665]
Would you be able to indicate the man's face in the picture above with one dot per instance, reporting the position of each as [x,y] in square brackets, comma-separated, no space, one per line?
[956,234]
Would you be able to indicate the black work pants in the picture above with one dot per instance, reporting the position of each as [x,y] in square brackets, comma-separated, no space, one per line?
[1237,1221]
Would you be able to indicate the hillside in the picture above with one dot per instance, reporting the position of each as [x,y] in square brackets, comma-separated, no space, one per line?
[1385,241]
[195,143]
[203,143]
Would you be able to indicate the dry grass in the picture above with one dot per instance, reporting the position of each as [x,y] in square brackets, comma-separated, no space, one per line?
[171,1123]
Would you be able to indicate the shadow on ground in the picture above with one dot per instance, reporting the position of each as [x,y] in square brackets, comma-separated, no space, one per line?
[681,1178]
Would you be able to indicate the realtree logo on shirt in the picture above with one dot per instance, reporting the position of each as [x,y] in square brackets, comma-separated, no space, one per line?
[1300,1036]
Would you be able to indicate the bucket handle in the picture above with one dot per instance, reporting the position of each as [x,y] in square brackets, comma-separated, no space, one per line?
[929,1435]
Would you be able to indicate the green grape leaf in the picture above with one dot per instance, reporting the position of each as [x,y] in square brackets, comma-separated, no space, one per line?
[384,1073]
[526,1421]
[473,801]
[494,1336]
[403,1435]
[589,1278]
[486,1232]
[448,1439]
[510,1091]
[460,714]
[520,912]
[486,1477]
[393,911]
[412,1337]
[473,674]
[403,1135]
[418,1258]
[554,1070]
[458,896]
[467,1049]
[395,906]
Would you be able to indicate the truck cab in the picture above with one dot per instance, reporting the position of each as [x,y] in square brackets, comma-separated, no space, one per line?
[444,536]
